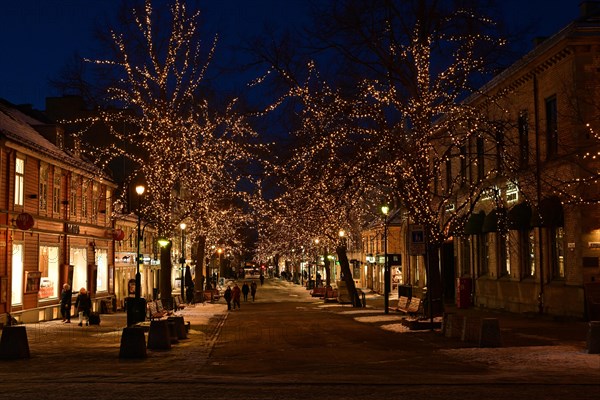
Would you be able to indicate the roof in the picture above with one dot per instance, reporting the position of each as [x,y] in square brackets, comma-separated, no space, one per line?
[18,128]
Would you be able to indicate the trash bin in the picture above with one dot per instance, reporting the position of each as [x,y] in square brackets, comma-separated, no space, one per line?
[404,290]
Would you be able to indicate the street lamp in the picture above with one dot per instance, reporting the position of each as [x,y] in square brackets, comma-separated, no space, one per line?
[220,251]
[136,307]
[386,269]
[139,189]
[182,226]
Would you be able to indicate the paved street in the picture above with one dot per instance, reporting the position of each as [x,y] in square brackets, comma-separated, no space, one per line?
[289,345]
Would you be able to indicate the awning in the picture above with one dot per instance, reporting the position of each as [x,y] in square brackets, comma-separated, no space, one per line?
[551,212]
[474,223]
[519,217]
[490,223]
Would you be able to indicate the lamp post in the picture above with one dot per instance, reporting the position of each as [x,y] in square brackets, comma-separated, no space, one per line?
[220,252]
[139,189]
[386,270]
[136,307]
[182,226]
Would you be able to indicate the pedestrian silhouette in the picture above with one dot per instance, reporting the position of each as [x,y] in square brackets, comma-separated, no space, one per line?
[245,290]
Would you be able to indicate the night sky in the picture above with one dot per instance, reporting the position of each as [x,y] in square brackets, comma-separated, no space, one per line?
[38,37]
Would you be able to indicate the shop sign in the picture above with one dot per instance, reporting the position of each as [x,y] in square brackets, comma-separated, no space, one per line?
[24,221]
[118,234]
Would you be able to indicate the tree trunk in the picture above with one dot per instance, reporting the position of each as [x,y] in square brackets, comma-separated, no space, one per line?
[347,276]
[434,304]
[198,270]
[326,263]
[165,274]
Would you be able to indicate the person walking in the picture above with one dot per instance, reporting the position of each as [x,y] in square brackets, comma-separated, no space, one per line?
[262,279]
[236,296]
[245,290]
[83,304]
[227,295]
[66,297]
[253,286]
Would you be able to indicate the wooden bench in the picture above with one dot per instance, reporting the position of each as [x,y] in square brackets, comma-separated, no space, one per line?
[403,303]
[161,309]
[153,313]
[178,304]
[211,295]
[331,294]
[412,307]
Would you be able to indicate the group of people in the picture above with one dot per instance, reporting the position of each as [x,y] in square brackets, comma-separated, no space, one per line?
[83,305]
[233,296]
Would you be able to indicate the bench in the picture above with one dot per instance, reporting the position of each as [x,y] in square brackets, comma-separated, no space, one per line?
[153,312]
[318,292]
[178,304]
[211,295]
[331,294]
[412,307]
[161,309]
[403,303]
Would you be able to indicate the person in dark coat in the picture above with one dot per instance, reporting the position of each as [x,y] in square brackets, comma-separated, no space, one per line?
[253,290]
[262,279]
[83,304]
[245,290]
[66,297]
[236,296]
[227,295]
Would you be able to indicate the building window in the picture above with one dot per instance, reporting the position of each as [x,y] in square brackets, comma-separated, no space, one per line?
[49,262]
[19,181]
[16,295]
[56,191]
[95,201]
[84,198]
[43,188]
[102,263]
[73,197]
[449,177]
[465,256]
[480,159]
[483,253]
[557,256]
[78,257]
[503,254]
[523,126]
[551,128]
[499,150]
[527,239]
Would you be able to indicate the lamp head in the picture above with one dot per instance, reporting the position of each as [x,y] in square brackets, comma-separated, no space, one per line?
[385,210]
[163,242]
[342,233]
[182,225]
[140,189]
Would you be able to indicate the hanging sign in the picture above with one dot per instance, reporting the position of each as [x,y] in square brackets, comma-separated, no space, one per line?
[24,221]
[118,234]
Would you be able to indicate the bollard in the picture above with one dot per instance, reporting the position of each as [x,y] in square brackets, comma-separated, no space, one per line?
[172,331]
[180,328]
[593,338]
[489,334]
[159,337]
[133,343]
[14,344]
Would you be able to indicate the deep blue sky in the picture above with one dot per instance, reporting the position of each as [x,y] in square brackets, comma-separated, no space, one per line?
[37,37]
